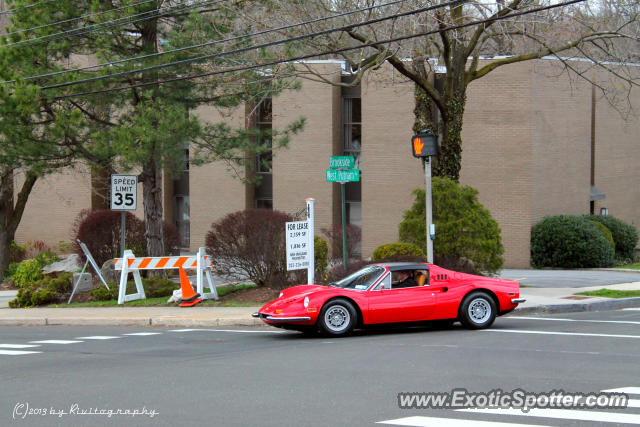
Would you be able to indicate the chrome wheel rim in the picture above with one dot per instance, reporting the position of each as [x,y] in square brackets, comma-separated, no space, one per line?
[337,318]
[479,310]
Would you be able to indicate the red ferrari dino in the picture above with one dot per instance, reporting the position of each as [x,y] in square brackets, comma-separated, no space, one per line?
[398,292]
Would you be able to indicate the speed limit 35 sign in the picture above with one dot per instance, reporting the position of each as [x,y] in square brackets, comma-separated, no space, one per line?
[124,192]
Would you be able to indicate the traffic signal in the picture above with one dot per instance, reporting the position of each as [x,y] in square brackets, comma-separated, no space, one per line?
[424,144]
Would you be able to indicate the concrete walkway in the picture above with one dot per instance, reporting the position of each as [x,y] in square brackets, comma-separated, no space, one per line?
[539,300]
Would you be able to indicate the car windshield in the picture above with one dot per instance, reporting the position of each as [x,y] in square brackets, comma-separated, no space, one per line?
[361,279]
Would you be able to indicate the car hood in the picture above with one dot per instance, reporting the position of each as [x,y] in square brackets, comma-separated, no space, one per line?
[302,290]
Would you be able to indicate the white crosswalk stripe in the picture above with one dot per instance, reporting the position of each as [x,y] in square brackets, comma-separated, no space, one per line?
[575,334]
[97,337]
[17,352]
[420,421]
[143,334]
[19,345]
[55,342]
[628,390]
[565,414]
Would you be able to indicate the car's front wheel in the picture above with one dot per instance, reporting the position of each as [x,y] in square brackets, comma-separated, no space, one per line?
[337,317]
[478,311]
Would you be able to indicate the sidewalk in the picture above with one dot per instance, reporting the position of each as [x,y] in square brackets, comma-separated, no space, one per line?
[539,300]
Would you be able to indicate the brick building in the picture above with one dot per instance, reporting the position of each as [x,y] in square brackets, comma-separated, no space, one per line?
[532,139]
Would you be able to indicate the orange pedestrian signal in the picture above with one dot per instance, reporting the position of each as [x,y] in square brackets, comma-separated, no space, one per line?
[418,145]
[424,144]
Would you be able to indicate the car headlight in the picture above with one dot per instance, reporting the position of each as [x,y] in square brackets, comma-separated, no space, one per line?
[281,293]
[306,302]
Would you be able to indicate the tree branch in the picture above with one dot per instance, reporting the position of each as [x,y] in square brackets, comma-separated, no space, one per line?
[547,50]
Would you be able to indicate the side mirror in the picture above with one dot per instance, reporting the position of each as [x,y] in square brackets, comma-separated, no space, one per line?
[382,288]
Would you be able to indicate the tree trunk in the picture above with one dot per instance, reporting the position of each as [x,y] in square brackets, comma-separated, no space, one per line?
[10,212]
[152,193]
[449,159]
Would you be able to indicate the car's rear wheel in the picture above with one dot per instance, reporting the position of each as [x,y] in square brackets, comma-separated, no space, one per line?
[337,317]
[478,311]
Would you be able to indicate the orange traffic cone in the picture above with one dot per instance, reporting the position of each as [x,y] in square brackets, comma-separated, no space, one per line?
[189,297]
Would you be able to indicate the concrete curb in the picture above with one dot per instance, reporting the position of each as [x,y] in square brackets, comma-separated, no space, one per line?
[128,321]
[578,307]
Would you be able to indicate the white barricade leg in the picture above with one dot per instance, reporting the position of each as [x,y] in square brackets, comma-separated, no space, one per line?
[201,269]
[122,291]
[212,287]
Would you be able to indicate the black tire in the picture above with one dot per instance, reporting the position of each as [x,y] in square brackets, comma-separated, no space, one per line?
[477,311]
[338,317]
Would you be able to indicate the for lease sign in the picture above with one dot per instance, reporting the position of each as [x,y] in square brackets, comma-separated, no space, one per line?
[297,245]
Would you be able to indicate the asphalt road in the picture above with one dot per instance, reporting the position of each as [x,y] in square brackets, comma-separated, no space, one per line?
[569,278]
[267,377]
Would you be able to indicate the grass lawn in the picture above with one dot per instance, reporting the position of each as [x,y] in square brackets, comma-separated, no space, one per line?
[611,293]
[635,266]
[162,301]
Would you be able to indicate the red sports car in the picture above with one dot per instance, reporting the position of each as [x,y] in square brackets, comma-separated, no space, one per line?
[398,292]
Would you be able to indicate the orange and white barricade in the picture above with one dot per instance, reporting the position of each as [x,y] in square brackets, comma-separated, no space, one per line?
[130,264]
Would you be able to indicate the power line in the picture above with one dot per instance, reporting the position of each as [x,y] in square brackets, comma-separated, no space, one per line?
[259,46]
[13,9]
[210,43]
[333,51]
[65,21]
[100,26]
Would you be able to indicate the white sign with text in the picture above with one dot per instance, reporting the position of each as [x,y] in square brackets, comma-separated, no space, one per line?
[298,256]
[124,192]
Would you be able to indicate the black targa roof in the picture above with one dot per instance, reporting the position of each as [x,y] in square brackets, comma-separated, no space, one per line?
[397,266]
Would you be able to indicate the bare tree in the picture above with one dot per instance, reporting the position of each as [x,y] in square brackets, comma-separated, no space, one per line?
[457,37]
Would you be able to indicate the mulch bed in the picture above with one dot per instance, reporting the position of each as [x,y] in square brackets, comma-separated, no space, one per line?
[257,295]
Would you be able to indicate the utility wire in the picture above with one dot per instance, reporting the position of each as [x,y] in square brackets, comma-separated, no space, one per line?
[113,23]
[254,47]
[210,43]
[13,9]
[333,51]
[65,21]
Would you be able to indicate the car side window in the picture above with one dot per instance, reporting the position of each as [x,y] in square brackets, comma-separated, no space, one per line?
[385,282]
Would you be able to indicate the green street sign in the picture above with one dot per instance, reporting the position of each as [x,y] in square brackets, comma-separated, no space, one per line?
[341,162]
[351,175]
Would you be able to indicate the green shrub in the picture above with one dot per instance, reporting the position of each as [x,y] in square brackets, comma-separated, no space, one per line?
[11,270]
[320,253]
[605,232]
[155,287]
[103,294]
[624,235]
[465,229]
[43,296]
[16,252]
[22,299]
[46,258]
[60,284]
[29,271]
[394,249]
[569,242]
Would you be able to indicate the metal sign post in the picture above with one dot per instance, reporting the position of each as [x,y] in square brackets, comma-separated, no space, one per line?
[429,209]
[424,145]
[124,197]
[310,219]
[342,171]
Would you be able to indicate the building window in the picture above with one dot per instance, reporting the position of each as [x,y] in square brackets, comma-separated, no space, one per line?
[263,190]
[352,146]
[181,214]
[351,126]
